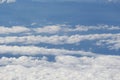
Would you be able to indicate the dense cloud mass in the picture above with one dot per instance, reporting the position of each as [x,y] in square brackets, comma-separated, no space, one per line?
[64,68]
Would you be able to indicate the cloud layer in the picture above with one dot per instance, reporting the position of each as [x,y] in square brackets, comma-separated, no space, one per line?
[55,39]
[54,29]
[23,55]
[61,35]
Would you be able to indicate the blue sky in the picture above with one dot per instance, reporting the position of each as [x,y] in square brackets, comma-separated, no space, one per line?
[60,13]
[59,40]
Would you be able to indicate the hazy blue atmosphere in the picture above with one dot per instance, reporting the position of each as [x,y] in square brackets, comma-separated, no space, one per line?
[25,12]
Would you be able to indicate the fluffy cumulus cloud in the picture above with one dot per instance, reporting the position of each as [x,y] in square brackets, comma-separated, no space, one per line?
[64,68]
[7,1]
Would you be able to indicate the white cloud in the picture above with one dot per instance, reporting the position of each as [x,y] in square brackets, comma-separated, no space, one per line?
[65,68]
[113,43]
[23,60]
[33,35]
[54,29]
[48,29]
[13,29]
[55,39]
[32,50]
[66,28]
[17,29]
[88,28]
